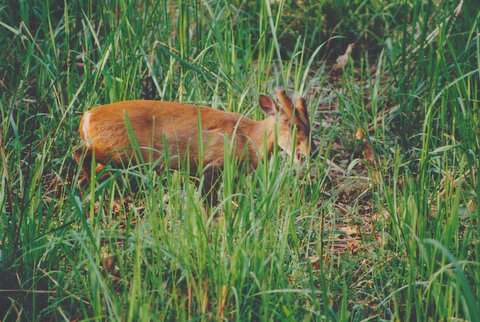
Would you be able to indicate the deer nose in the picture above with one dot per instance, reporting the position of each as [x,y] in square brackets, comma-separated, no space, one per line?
[299,156]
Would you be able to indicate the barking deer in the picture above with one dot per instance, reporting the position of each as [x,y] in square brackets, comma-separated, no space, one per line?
[190,133]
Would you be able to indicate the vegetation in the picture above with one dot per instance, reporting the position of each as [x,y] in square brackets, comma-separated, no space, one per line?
[382,224]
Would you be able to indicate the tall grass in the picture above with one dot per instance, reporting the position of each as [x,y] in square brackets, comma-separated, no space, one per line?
[141,245]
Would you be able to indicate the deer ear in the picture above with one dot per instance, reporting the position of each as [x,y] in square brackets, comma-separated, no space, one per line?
[301,108]
[267,104]
[285,102]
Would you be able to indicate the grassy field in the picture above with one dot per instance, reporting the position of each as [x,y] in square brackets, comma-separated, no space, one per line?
[382,224]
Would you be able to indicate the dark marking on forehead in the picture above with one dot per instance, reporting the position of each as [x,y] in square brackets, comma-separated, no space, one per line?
[302,113]
[302,125]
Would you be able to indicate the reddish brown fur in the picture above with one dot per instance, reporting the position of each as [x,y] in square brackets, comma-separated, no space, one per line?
[104,132]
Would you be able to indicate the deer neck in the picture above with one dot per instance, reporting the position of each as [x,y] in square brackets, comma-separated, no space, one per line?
[264,136]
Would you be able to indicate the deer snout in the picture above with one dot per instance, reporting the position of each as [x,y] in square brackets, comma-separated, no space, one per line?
[301,153]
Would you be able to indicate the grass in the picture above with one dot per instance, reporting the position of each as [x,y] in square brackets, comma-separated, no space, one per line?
[382,225]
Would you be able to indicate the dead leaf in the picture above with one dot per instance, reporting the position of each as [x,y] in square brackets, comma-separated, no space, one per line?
[368,152]
[315,261]
[349,230]
[343,59]
[327,107]
[108,263]
[360,134]
[458,8]
[221,305]
[353,245]
[375,176]
[472,206]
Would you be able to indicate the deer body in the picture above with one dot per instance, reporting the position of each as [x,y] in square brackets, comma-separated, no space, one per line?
[187,132]
[172,128]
